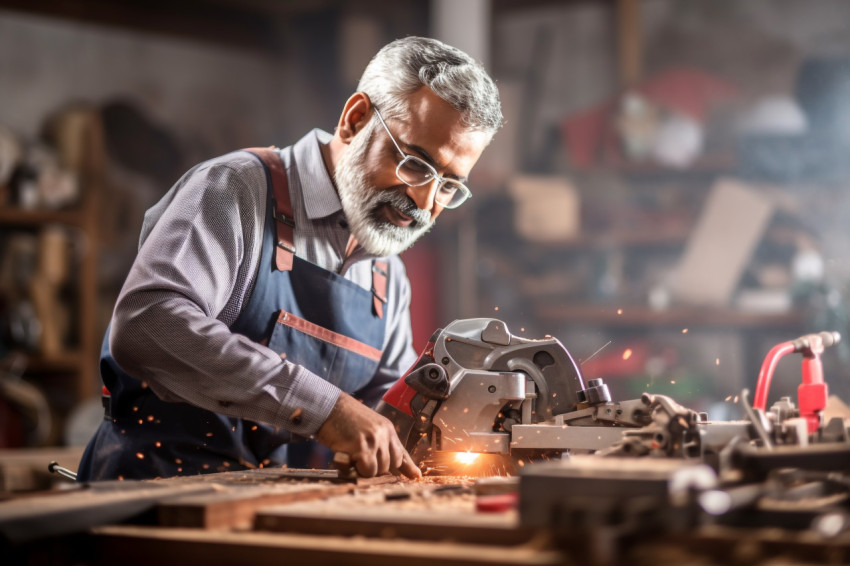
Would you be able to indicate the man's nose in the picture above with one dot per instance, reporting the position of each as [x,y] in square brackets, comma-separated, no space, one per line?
[424,195]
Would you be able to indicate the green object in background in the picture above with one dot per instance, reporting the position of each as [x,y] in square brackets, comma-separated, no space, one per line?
[680,387]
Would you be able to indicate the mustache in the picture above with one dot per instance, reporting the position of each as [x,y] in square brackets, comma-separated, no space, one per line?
[402,202]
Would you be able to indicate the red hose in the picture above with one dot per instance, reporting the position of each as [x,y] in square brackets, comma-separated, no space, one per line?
[768,366]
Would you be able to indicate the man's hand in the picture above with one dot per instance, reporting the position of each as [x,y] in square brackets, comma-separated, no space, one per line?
[368,438]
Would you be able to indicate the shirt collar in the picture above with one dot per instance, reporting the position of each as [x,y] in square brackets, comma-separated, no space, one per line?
[320,196]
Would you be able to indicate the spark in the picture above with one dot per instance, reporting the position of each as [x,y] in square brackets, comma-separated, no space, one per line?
[140,456]
[627,354]
[596,352]
[495,308]
[158,444]
[466,458]
[684,331]
[717,362]
[735,400]
[728,398]
[673,382]
[150,418]
[619,311]
[141,421]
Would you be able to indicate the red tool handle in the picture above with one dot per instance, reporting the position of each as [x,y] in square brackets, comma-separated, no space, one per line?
[813,392]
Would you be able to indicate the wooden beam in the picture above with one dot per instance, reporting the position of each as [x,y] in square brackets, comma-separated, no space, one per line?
[232,24]
[149,545]
[629,29]
[236,509]
[500,529]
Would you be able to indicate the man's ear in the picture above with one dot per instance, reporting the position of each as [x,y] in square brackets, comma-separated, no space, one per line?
[354,116]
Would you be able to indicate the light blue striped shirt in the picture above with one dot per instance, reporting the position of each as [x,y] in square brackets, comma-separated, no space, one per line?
[198,257]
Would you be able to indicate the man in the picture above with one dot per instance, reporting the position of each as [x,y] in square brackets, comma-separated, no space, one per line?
[268,297]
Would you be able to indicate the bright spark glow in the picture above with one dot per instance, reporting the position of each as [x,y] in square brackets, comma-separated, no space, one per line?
[684,331]
[627,354]
[619,311]
[466,458]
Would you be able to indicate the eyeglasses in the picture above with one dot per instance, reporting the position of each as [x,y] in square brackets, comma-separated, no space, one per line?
[415,172]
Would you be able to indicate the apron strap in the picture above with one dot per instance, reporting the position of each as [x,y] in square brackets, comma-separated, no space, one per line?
[284,219]
[379,286]
[285,227]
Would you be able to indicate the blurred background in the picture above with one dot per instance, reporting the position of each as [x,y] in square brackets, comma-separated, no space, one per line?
[668,196]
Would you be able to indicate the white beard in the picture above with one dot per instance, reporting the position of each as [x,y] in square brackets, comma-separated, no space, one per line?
[362,204]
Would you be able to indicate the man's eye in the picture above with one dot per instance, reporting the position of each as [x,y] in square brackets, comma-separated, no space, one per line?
[448,189]
[416,166]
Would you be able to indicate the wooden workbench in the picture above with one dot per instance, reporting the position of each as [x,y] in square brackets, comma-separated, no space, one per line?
[269,516]
[280,516]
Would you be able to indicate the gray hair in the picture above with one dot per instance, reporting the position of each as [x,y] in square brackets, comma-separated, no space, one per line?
[404,66]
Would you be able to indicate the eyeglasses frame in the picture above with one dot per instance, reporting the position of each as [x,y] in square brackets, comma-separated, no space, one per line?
[467,194]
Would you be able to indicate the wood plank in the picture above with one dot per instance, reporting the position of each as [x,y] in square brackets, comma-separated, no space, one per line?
[241,493]
[151,545]
[25,469]
[501,529]
[236,508]
[629,42]
[277,474]
[629,316]
[33,518]
[23,217]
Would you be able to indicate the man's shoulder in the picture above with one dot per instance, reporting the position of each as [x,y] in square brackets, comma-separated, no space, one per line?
[239,161]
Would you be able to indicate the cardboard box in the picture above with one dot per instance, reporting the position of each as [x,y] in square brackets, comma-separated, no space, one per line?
[730,226]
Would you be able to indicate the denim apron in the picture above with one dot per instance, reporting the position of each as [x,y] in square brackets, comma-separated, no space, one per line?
[312,317]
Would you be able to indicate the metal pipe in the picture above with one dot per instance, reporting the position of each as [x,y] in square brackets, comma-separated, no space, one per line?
[55,468]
